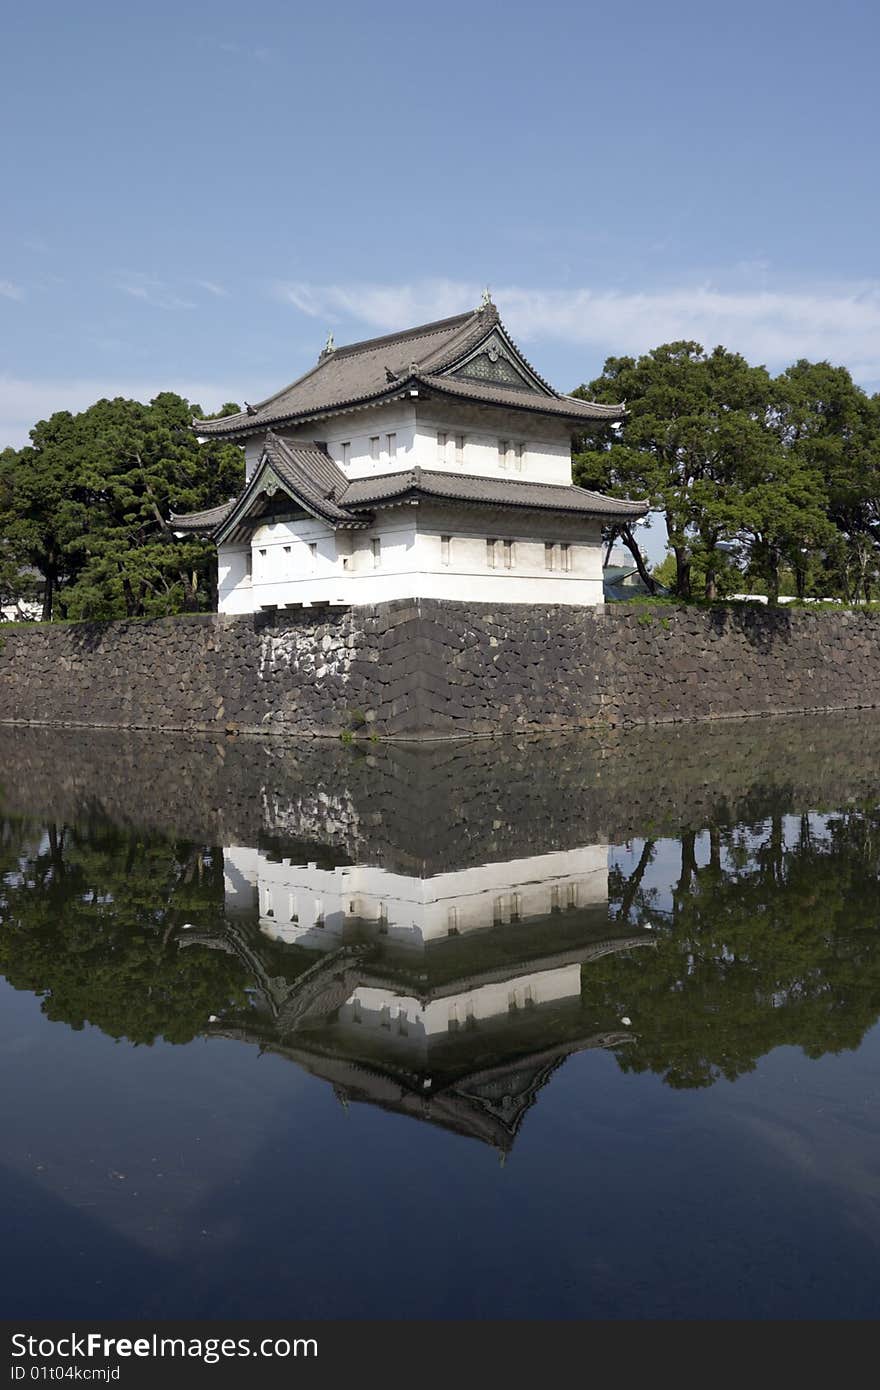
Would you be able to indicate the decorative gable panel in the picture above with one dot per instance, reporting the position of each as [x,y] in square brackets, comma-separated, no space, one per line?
[494,362]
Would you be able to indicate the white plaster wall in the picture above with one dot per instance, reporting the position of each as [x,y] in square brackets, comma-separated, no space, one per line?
[357,428]
[310,905]
[253,448]
[468,575]
[411,561]
[545,444]
[234,587]
[406,1022]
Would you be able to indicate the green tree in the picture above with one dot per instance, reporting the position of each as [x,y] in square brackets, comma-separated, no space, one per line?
[831,429]
[694,420]
[86,506]
[768,475]
[93,919]
[771,941]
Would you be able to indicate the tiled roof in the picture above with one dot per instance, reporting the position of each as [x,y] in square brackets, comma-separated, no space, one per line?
[569,407]
[202,521]
[504,492]
[321,487]
[348,375]
[312,476]
[377,369]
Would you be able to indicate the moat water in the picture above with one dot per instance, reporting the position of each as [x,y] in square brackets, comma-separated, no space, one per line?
[576,1028]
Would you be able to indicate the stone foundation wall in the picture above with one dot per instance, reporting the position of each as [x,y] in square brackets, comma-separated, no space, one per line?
[429,669]
[425,808]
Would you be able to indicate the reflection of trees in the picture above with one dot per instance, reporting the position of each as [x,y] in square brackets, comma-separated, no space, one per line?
[773,941]
[772,938]
[90,919]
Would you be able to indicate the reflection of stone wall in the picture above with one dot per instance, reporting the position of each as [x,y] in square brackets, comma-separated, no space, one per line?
[425,809]
[441,668]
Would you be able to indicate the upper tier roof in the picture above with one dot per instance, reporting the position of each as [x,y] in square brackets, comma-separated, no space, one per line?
[443,356]
[310,477]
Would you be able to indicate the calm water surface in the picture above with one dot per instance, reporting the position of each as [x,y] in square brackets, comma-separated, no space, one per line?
[565,1029]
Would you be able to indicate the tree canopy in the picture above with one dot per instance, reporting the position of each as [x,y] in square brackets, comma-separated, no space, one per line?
[84,510]
[755,476]
[771,941]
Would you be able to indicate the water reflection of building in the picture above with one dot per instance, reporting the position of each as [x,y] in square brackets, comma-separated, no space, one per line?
[451,998]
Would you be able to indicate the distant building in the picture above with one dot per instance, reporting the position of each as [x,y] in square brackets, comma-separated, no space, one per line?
[621,579]
[432,463]
[22,611]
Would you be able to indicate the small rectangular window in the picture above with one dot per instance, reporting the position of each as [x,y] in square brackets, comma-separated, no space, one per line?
[249,564]
[441,447]
[445,548]
[502,452]
[490,553]
[391,445]
[288,550]
[313,554]
[319,913]
[565,556]
[376,546]
[374,448]
[459,449]
[346,452]
[549,555]
[518,457]
[509,555]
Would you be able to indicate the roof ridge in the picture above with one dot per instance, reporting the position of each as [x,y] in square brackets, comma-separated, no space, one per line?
[493,321]
[483,320]
[514,482]
[422,330]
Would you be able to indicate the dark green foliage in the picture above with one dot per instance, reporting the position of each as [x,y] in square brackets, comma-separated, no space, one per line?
[772,942]
[763,482]
[93,920]
[84,510]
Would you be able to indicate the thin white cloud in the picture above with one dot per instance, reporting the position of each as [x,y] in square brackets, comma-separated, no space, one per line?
[839,321]
[211,287]
[24,402]
[8,290]
[150,289]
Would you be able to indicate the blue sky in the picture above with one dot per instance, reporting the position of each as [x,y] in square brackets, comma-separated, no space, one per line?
[195,193]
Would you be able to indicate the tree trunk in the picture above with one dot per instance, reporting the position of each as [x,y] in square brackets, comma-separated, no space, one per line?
[48,596]
[190,598]
[634,882]
[688,871]
[646,577]
[682,571]
[130,600]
